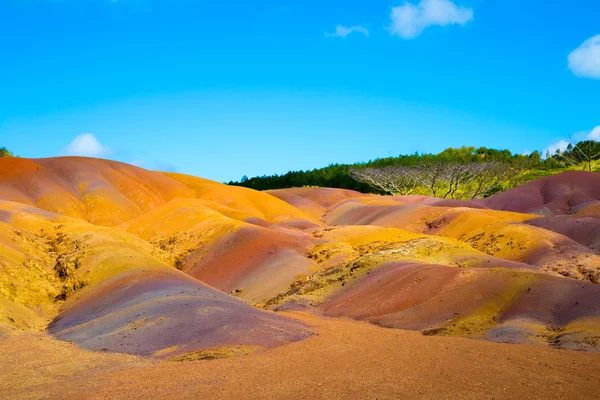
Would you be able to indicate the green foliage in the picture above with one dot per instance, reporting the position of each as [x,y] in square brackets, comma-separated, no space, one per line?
[5,153]
[335,175]
[338,175]
[584,154]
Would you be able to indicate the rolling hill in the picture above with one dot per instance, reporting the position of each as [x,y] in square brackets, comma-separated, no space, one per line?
[117,258]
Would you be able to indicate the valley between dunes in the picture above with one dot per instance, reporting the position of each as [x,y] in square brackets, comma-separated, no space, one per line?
[117,281]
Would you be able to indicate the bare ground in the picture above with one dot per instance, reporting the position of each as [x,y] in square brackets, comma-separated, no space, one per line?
[346,359]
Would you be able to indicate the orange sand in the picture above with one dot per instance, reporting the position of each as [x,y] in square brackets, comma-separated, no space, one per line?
[346,360]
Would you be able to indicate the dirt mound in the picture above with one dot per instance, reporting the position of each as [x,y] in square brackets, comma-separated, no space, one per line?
[165,313]
[115,291]
[258,204]
[109,193]
[315,200]
[505,235]
[300,202]
[589,210]
[551,195]
[436,202]
[440,300]
[121,259]
[585,231]
[99,191]
[248,256]
[253,263]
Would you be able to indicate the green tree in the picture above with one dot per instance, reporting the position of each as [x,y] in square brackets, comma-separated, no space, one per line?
[339,175]
[535,158]
[585,153]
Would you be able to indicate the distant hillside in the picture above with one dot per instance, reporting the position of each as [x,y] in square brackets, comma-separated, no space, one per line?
[338,175]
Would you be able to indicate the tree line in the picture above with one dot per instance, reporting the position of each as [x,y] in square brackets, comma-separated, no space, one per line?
[456,173]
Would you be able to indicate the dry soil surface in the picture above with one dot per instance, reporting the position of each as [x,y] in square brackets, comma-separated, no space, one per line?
[345,359]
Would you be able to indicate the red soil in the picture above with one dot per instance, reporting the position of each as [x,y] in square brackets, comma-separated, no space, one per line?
[261,262]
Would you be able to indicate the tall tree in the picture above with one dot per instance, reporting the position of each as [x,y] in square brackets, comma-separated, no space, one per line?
[585,153]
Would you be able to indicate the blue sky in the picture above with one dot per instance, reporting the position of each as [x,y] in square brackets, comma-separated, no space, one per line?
[223,89]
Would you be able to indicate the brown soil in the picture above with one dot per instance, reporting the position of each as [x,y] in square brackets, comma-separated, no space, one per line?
[347,359]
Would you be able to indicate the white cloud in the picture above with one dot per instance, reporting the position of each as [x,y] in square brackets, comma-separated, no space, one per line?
[594,134]
[342,31]
[409,20]
[584,61]
[561,145]
[86,145]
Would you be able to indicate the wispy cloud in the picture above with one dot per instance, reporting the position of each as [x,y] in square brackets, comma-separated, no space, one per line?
[584,61]
[594,134]
[409,20]
[560,145]
[342,31]
[86,145]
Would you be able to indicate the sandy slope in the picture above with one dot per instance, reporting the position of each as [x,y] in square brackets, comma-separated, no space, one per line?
[116,258]
[346,360]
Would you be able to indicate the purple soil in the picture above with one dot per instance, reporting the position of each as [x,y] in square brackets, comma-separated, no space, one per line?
[585,231]
[353,213]
[436,202]
[390,289]
[171,309]
[419,296]
[567,258]
[551,195]
[556,301]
